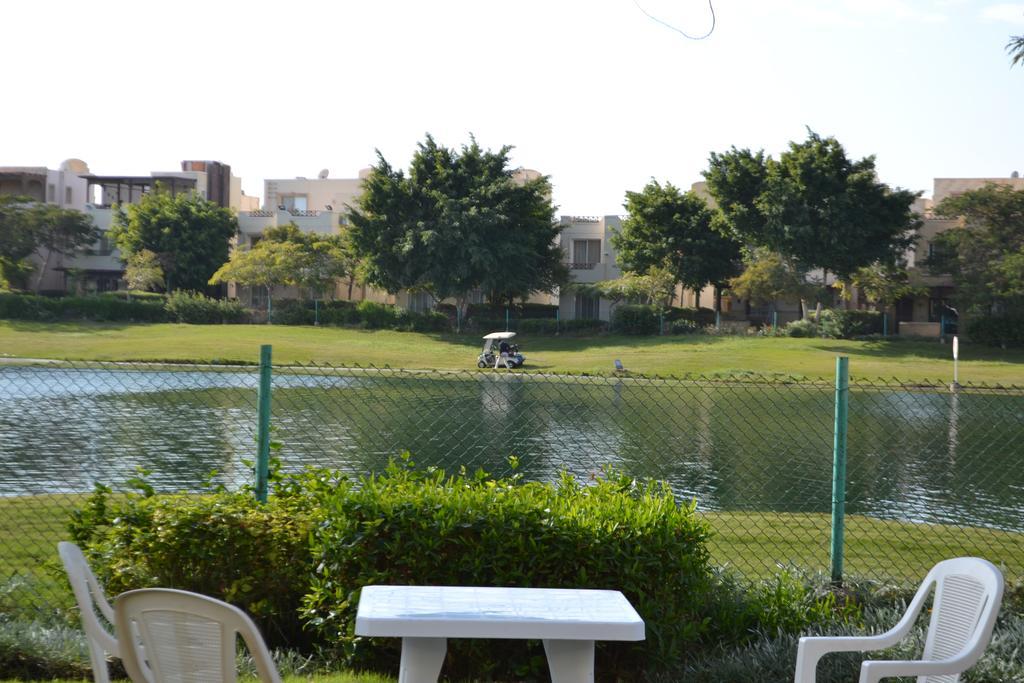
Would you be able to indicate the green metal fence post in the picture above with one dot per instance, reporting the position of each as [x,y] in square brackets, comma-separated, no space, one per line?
[506,318]
[839,465]
[263,429]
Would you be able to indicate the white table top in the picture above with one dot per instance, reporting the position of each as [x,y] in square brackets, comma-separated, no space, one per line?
[477,612]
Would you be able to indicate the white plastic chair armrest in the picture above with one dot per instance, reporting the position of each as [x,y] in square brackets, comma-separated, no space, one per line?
[812,649]
[872,672]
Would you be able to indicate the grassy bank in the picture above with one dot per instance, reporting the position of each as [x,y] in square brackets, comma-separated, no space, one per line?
[908,360]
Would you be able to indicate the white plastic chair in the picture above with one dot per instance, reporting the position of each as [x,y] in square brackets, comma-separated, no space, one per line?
[968,592]
[92,604]
[173,636]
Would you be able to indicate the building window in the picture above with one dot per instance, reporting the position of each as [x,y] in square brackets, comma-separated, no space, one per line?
[51,192]
[586,307]
[67,196]
[294,202]
[585,253]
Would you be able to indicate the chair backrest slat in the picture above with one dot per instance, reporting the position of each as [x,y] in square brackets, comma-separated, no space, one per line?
[96,613]
[968,592]
[172,636]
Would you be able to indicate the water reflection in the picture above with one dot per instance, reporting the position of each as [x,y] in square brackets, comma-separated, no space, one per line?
[936,457]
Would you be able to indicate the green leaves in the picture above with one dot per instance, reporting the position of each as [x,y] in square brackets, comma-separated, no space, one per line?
[459,221]
[670,230]
[814,205]
[188,234]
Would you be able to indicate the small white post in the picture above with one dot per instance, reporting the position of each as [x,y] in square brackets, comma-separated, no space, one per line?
[956,362]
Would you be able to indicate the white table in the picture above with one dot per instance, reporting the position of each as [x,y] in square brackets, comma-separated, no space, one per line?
[567,620]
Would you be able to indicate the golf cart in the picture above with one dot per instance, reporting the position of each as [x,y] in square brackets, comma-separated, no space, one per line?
[505,354]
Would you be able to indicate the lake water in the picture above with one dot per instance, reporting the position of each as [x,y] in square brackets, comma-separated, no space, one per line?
[918,455]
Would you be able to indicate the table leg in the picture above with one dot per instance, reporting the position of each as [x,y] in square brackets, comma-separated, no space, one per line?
[421,659]
[570,661]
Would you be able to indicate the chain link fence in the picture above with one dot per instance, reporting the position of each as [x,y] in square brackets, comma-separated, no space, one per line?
[931,473]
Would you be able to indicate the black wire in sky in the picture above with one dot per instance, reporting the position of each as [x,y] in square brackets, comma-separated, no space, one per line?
[677,30]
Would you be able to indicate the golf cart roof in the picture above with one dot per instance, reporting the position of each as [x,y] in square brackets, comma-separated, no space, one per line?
[500,335]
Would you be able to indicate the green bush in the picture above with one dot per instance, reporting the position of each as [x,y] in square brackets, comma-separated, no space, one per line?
[534,311]
[409,526]
[703,317]
[227,545]
[997,330]
[196,308]
[846,324]
[428,321]
[377,316]
[538,326]
[583,326]
[293,312]
[339,313]
[132,295]
[801,328]
[635,319]
[99,308]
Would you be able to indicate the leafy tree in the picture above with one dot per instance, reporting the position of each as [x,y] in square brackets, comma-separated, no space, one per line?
[768,277]
[1016,49]
[458,222]
[143,271]
[882,284]
[268,263]
[28,227]
[321,258]
[984,255]
[669,228]
[188,234]
[656,287]
[814,205]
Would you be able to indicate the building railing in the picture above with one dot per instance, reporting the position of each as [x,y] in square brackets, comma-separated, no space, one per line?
[577,265]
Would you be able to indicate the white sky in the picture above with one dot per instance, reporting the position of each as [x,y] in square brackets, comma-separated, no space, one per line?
[593,93]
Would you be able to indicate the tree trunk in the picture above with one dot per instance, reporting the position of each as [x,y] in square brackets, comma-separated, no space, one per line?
[696,299]
[42,271]
[718,299]
[351,283]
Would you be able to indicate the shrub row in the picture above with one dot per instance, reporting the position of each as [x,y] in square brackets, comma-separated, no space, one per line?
[997,331]
[642,319]
[100,308]
[837,324]
[298,562]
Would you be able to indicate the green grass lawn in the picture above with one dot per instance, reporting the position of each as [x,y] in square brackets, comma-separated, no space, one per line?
[907,360]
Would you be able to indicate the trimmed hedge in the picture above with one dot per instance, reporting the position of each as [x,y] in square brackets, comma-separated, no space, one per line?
[227,545]
[409,526]
[97,308]
[297,562]
[196,308]
[639,319]
[847,324]
[997,331]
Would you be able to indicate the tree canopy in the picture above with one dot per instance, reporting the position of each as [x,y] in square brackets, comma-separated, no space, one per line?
[813,205]
[675,230]
[142,271]
[985,256]
[457,222]
[188,234]
[28,227]
[768,277]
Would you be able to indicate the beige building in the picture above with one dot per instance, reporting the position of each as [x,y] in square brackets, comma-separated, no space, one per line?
[73,186]
[923,315]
